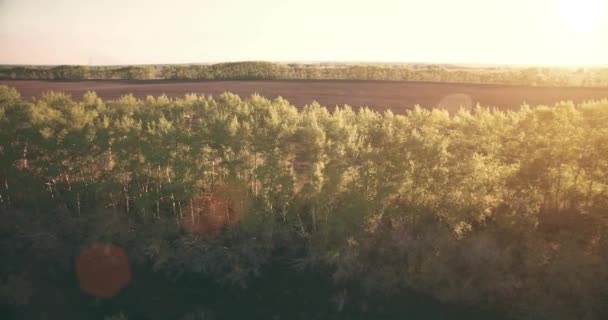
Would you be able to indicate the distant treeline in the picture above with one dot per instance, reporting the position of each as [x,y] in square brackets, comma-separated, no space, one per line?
[503,210]
[535,76]
[78,73]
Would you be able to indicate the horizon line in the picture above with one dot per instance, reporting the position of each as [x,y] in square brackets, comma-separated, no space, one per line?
[344,62]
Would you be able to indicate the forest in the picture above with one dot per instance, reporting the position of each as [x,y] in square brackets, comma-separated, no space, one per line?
[260,70]
[229,207]
[75,72]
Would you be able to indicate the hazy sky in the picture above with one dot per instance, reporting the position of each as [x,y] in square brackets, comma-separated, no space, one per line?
[181,31]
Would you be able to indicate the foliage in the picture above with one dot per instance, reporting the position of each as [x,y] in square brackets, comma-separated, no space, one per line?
[504,210]
[16,290]
[119,316]
[74,72]
[261,70]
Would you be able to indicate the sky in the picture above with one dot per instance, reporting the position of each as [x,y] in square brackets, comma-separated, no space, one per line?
[109,32]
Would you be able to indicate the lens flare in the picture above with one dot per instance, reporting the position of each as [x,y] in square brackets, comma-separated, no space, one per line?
[209,212]
[103,270]
[582,16]
[454,102]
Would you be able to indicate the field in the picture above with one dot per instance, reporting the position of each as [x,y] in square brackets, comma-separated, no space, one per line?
[378,95]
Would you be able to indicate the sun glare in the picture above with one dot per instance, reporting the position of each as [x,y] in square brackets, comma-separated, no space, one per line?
[583,16]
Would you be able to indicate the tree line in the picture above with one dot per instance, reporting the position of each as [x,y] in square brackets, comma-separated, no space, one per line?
[74,72]
[259,70]
[499,210]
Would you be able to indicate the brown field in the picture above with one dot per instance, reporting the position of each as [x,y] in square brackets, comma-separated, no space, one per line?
[379,95]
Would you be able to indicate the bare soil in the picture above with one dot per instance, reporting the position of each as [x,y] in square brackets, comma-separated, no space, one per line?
[380,95]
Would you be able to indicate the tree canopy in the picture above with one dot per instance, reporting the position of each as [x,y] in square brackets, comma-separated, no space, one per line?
[504,210]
